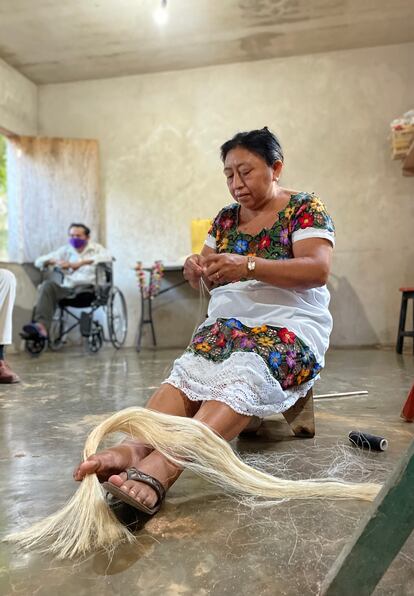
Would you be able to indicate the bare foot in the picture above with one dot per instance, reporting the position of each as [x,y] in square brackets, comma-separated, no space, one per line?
[115,460]
[155,465]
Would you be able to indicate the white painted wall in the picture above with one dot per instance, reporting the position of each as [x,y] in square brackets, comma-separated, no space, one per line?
[159,137]
[18,102]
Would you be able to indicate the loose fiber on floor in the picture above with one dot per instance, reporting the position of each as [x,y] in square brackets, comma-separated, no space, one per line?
[86,524]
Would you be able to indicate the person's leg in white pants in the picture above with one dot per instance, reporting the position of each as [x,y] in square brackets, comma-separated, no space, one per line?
[7,297]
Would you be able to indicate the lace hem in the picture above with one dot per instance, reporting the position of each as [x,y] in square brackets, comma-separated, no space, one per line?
[242,381]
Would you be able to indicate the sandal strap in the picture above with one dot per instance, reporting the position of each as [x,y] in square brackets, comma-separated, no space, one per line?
[134,474]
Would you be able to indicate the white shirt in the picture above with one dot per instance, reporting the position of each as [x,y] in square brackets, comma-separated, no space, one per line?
[85,275]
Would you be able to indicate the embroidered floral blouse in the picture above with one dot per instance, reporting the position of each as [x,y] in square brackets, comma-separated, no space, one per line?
[304,215]
[255,303]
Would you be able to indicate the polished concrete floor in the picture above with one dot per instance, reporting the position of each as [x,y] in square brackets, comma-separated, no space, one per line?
[202,542]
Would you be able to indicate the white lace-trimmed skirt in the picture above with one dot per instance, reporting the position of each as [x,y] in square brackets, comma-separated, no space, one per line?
[242,381]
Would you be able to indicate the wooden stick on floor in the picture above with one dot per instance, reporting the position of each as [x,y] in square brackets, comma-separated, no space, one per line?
[344,394]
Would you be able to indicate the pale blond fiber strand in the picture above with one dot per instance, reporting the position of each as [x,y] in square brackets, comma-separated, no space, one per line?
[86,524]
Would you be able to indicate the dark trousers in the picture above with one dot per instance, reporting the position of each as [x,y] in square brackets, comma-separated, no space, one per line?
[50,293]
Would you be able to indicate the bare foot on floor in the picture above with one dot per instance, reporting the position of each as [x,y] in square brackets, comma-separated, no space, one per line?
[154,465]
[113,461]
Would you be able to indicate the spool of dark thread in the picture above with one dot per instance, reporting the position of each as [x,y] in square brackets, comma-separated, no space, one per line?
[367,441]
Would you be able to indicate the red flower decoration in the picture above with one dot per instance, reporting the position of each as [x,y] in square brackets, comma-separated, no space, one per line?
[221,340]
[264,242]
[306,220]
[288,382]
[288,337]
[226,223]
[215,329]
[235,333]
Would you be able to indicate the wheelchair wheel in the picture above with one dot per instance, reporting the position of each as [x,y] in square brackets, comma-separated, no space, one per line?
[95,342]
[35,345]
[117,317]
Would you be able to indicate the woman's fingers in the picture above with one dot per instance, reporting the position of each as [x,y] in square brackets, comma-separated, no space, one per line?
[192,273]
[224,267]
[211,270]
[214,263]
[193,268]
[212,258]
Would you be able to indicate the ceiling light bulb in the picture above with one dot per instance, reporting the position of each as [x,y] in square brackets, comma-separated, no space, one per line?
[161,14]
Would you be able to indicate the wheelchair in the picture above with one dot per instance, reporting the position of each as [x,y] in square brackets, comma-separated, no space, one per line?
[103,294]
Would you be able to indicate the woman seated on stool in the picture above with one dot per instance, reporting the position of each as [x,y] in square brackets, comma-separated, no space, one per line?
[266,261]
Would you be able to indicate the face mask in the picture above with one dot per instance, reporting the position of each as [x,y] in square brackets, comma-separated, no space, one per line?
[77,242]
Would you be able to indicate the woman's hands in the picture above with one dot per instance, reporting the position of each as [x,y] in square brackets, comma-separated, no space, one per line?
[215,268]
[194,269]
[308,269]
[225,267]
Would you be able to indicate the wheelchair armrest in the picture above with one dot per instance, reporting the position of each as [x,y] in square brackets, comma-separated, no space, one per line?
[59,271]
[103,271]
[103,278]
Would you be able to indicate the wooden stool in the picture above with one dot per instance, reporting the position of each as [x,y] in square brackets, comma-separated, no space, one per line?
[300,418]
[407,294]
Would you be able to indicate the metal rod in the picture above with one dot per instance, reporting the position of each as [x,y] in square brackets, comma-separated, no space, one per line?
[345,394]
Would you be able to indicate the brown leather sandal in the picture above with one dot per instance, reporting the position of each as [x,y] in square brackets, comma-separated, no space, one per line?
[134,474]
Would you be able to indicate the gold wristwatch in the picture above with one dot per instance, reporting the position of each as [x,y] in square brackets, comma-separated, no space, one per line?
[251,265]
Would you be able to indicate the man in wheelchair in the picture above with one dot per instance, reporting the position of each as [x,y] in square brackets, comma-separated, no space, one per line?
[77,261]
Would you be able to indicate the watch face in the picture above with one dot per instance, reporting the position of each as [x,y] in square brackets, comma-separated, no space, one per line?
[251,265]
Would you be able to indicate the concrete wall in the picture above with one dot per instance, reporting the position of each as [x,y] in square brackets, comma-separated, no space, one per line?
[159,137]
[18,102]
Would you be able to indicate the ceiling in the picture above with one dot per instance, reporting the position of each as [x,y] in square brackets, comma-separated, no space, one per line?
[53,41]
